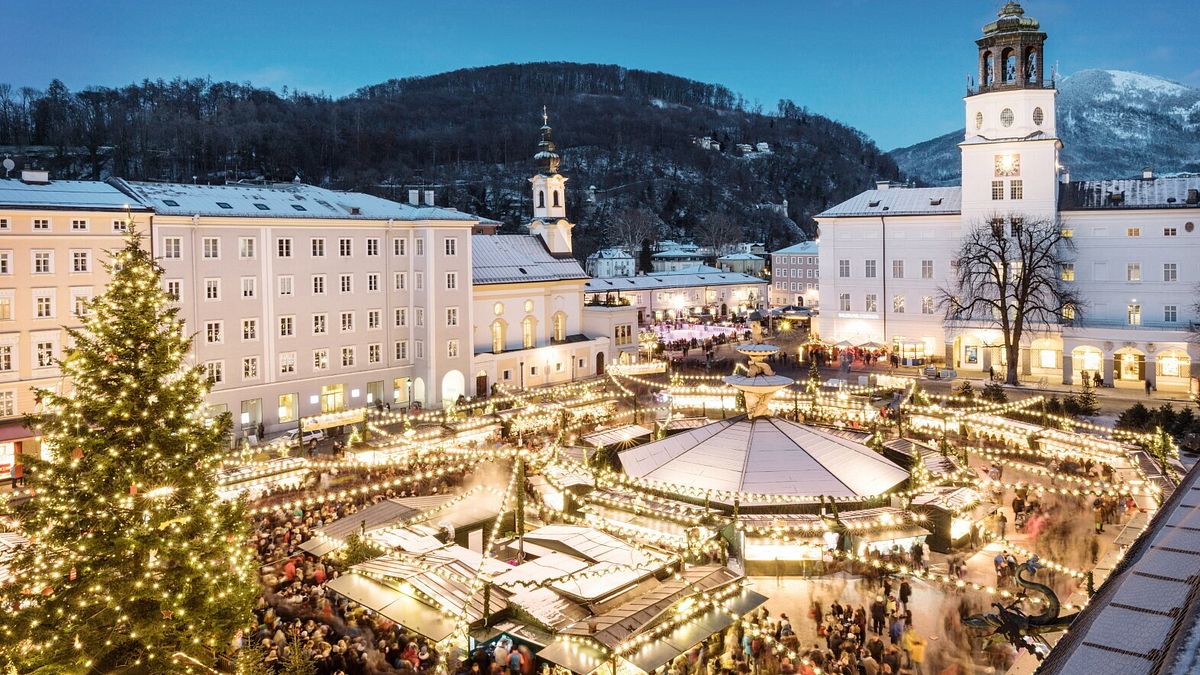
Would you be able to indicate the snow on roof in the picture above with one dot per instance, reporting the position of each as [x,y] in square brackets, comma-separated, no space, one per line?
[897,201]
[593,545]
[679,253]
[610,254]
[278,200]
[83,195]
[1166,192]
[691,269]
[807,247]
[740,256]
[767,455]
[517,258]
[660,281]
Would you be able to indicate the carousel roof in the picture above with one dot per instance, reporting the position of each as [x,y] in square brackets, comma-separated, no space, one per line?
[766,455]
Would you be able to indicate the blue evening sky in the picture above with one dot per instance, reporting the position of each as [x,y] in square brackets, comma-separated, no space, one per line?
[895,69]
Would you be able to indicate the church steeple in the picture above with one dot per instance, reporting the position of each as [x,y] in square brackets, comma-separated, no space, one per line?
[1011,52]
[550,195]
[546,157]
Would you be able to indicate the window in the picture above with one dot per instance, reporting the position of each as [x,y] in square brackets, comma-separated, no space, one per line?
[560,327]
[398,246]
[346,283]
[623,334]
[452,349]
[402,350]
[926,269]
[1134,314]
[6,306]
[419,350]
[173,289]
[212,248]
[347,357]
[844,269]
[869,269]
[374,319]
[844,300]
[898,304]
[81,261]
[870,303]
[372,247]
[317,248]
[401,316]
[1170,232]
[6,358]
[246,248]
[1067,273]
[529,337]
[249,287]
[420,245]
[41,223]
[250,368]
[373,282]
[345,247]
[897,269]
[44,355]
[451,247]
[399,281]
[1068,312]
[287,363]
[5,262]
[997,189]
[286,285]
[215,371]
[43,305]
[212,332]
[212,289]
[43,262]
[8,403]
[451,316]
[347,320]
[1067,233]
[420,281]
[287,326]
[1170,272]
[318,284]
[79,225]
[927,304]
[1133,272]
[320,324]
[4,223]
[451,280]
[283,247]
[1133,232]
[420,316]
[1170,313]
[374,353]
[1015,189]
[287,408]
[497,336]
[320,359]
[249,329]
[80,299]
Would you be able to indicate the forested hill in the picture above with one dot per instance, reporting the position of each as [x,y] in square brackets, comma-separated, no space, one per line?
[632,134]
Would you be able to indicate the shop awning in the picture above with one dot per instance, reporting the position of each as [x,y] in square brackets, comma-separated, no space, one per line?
[618,436]
[577,657]
[693,632]
[394,605]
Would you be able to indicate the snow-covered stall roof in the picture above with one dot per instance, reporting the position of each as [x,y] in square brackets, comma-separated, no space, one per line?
[390,603]
[767,455]
[616,436]
[595,546]
[442,577]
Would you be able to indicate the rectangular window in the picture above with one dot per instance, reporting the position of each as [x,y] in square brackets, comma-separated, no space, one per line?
[287,326]
[320,324]
[844,299]
[4,225]
[871,303]
[249,287]
[347,357]
[346,283]
[1016,190]
[286,285]
[927,304]
[8,404]
[869,269]
[215,371]
[373,282]
[43,306]
[318,284]
[844,269]
[44,355]
[897,269]
[399,281]
[1133,272]
[287,363]
[43,262]
[374,319]
[451,247]
[452,349]
[926,269]
[398,246]
[1170,232]
[320,359]
[212,332]
[420,316]
[80,299]
[79,225]
[283,247]
[1170,313]
[401,316]
[420,281]
[41,223]
[898,304]
[1067,233]
[1134,314]
[1068,272]
[451,316]
[419,349]
[250,368]
[347,321]
[173,289]
[81,261]
[247,248]
[317,248]
[212,289]
[345,247]
[420,246]
[372,247]
[287,408]
[451,280]
[249,329]
[5,262]
[212,248]
[6,358]
[1133,232]
[997,189]
[374,353]
[1170,272]
[402,350]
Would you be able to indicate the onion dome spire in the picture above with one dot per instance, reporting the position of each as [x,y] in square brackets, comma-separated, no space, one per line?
[546,157]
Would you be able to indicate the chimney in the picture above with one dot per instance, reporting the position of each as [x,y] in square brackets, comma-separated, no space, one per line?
[1066,176]
[35,176]
[883,184]
[414,197]
[429,198]
[1147,173]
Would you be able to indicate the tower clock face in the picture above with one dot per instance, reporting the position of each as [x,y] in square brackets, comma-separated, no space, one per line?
[1008,165]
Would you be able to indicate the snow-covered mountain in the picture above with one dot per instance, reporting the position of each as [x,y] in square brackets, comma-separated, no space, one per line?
[1112,123]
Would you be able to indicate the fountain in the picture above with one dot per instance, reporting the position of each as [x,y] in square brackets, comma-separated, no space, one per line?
[760,382]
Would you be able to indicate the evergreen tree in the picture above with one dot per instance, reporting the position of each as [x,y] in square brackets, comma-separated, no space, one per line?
[1085,401]
[134,565]
[645,258]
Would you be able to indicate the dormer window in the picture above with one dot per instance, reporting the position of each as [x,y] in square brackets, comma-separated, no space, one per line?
[873,203]
[935,201]
[298,207]
[170,202]
[224,205]
[261,207]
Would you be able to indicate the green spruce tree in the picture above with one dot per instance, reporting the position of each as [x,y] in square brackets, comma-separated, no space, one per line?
[133,564]
[1085,401]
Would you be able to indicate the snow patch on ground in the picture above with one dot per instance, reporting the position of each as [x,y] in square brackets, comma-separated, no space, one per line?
[1132,81]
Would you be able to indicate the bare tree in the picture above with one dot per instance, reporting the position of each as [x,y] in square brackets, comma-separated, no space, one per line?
[720,232]
[631,226]
[1008,276]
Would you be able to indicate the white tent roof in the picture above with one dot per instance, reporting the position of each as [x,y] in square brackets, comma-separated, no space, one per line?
[767,455]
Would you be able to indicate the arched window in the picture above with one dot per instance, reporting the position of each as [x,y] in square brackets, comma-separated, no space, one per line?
[1008,70]
[528,336]
[985,70]
[560,327]
[541,199]
[497,336]
[1031,65]
[556,198]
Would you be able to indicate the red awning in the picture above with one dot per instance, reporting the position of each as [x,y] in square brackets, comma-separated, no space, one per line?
[15,431]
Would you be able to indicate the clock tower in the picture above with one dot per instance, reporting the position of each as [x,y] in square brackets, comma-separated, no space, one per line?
[1010,152]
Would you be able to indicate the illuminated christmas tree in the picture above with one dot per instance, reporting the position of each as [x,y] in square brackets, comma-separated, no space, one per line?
[134,565]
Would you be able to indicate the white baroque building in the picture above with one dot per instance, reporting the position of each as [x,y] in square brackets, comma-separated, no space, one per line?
[886,252]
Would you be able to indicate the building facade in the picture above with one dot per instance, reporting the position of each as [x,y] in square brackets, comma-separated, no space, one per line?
[663,297]
[795,275]
[611,262]
[1132,249]
[746,263]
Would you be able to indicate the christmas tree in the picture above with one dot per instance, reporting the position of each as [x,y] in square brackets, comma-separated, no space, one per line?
[134,565]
